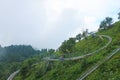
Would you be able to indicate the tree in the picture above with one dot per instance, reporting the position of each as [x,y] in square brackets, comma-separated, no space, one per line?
[109,21]
[119,15]
[51,50]
[67,46]
[106,23]
[103,25]
[78,37]
[85,34]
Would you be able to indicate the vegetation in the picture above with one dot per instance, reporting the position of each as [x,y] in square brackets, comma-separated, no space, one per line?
[110,69]
[17,53]
[33,67]
[71,70]
[11,57]
[106,23]
[67,46]
[119,15]
[78,37]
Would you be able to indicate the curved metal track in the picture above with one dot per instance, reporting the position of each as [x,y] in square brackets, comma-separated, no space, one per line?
[13,75]
[89,71]
[83,56]
[76,58]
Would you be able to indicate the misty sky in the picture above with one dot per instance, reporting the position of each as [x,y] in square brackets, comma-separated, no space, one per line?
[47,23]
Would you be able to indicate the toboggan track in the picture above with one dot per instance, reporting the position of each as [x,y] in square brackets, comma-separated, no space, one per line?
[89,71]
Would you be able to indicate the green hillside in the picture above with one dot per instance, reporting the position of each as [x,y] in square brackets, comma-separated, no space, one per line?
[12,56]
[111,69]
[39,69]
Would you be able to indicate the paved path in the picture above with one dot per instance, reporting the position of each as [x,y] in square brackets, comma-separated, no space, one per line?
[13,74]
[83,56]
[89,71]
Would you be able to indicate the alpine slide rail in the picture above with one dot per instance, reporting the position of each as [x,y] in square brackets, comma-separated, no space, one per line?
[89,71]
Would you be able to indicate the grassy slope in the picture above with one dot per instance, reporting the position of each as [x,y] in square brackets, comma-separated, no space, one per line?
[111,69]
[71,70]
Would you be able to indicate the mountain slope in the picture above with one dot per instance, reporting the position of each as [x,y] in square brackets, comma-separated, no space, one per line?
[111,69]
[71,70]
[12,56]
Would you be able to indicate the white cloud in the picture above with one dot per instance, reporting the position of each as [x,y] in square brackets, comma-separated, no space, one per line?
[46,23]
[95,8]
[90,23]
